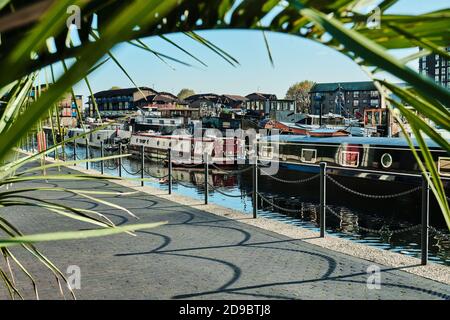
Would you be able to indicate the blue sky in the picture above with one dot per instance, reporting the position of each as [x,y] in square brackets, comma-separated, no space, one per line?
[295,59]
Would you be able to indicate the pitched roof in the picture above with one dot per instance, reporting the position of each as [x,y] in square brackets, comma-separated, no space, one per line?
[261,96]
[346,86]
[235,97]
[206,96]
[121,92]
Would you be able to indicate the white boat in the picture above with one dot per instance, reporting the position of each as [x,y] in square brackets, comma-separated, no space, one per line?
[186,149]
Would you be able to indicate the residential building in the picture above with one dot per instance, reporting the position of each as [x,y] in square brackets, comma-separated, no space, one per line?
[437,68]
[118,102]
[233,101]
[264,103]
[345,98]
[158,101]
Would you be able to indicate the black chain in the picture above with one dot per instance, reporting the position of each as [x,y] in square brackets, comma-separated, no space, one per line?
[155,177]
[131,173]
[291,181]
[183,184]
[373,196]
[277,206]
[229,195]
[442,236]
[231,172]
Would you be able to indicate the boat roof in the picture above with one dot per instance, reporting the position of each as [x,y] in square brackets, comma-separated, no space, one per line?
[380,141]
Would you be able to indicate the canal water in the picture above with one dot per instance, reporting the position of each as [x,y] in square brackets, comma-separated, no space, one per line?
[300,205]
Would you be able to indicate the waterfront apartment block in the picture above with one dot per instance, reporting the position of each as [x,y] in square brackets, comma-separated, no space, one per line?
[264,103]
[437,68]
[118,102]
[345,98]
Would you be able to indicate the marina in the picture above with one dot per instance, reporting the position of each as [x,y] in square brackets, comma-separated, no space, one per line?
[224,151]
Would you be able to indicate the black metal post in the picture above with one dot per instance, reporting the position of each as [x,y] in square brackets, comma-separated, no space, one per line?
[87,154]
[425,219]
[120,160]
[142,164]
[255,187]
[169,157]
[323,197]
[75,151]
[205,159]
[102,154]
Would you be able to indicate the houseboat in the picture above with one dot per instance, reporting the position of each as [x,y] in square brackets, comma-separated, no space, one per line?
[186,149]
[383,159]
[110,136]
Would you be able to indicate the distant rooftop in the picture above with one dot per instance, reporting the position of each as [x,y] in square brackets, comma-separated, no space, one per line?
[261,96]
[346,86]
[121,92]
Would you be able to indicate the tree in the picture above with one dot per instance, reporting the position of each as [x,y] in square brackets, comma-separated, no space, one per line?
[300,93]
[184,93]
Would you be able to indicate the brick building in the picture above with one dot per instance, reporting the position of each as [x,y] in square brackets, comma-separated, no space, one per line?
[345,98]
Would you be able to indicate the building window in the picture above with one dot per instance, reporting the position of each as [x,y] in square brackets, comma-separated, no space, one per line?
[356,94]
[355,103]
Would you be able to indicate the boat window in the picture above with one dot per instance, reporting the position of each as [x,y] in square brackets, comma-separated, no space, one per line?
[386,160]
[267,152]
[444,166]
[349,158]
[309,155]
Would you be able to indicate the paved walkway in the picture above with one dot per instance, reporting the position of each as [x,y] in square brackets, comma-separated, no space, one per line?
[197,255]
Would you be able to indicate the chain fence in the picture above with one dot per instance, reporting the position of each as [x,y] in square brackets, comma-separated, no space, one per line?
[373,196]
[155,177]
[184,184]
[272,204]
[231,172]
[216,189]
[131,172]
[291,181]
[440,234]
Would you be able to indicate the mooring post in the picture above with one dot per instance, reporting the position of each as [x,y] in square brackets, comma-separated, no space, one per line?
[425,218]
[142,164]
[205,159]
[75,152]
[323,197]
[169,158]
[120,160]
[255,187]
[102,154]
[87,154]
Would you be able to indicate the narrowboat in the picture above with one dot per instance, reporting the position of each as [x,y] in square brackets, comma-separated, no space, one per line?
[383,159]
[186,149]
